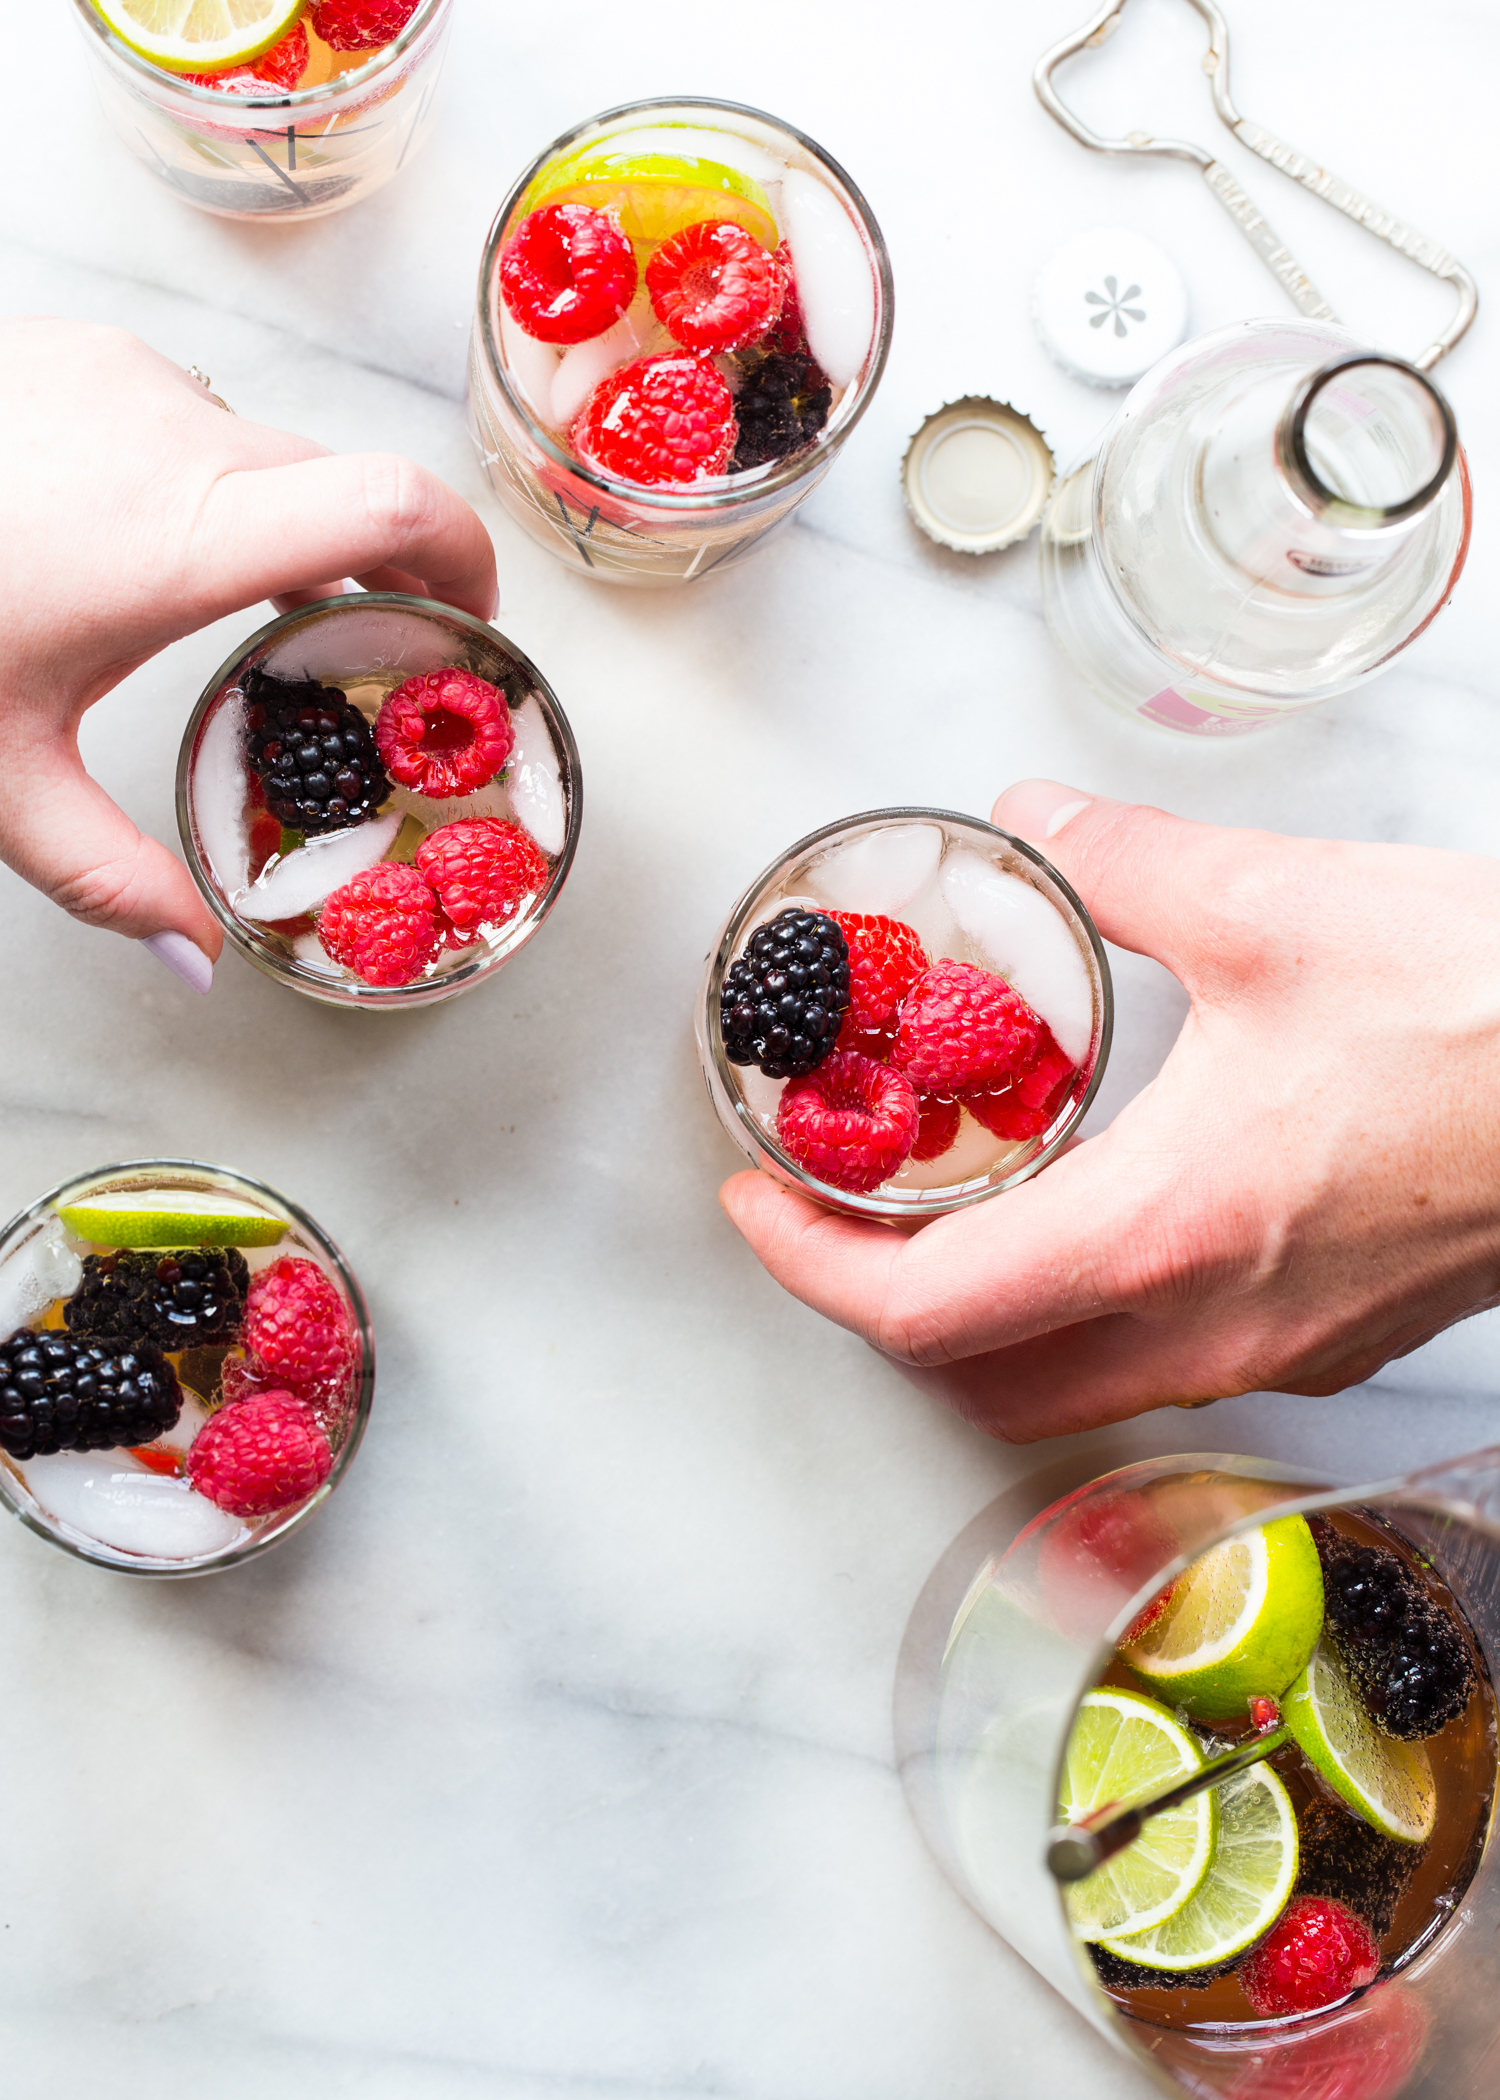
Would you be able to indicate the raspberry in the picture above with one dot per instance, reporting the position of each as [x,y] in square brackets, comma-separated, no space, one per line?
[297,1332]
[361,25]
[886,958]
[275,72]
[482,870]
[1026,1109]
[259,1455]
[938,1127]
[963,1030]
[714,287]
[567,273]
[1316,1953]
[444,733]
[659,420]
[852,1122]
[382,925]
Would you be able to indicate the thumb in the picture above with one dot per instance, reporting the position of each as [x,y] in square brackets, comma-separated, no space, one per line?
[63,834]
[1145,876]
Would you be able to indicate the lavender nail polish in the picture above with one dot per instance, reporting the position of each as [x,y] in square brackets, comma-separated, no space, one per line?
[183,959]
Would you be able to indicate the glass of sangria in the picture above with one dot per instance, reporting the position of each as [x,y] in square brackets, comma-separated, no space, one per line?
[186,1367]
[909,1012]
[379,798]
[314,120]
[1314,1923]
[684,309]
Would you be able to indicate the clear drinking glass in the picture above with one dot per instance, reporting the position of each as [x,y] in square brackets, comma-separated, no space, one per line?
[1273,515]
[282,156]
[1021,1618]
[362,647]
[620,531]
[975,895]
[136,1510]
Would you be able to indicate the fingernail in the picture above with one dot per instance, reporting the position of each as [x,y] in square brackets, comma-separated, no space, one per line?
[1038,809]
[183,958]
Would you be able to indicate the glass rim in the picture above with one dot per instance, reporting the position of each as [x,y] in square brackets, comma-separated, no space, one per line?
[297,98]
[427,991]
[1296,462]
[670,501]
[234,1556]
[924,1204]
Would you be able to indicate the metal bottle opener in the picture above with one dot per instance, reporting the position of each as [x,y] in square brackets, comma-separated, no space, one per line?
[1272,251]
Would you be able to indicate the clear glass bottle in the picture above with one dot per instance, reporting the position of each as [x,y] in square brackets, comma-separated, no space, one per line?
[1274,513]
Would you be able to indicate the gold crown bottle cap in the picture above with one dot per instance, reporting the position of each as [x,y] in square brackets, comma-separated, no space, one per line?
[977,475]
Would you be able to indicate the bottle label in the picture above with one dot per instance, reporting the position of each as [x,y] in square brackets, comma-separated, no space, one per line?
[1176,710]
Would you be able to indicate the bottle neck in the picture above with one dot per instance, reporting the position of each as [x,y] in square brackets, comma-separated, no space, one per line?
[1314,492]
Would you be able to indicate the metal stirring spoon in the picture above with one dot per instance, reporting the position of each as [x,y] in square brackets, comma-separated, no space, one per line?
[1076,1849]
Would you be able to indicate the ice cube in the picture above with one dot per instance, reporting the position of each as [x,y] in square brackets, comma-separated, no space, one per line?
[219,795]
[532,365]
[340,647]
[184,1429]
[108,1498]
[973,1155]
[312,955]
[835,284]
[689,142]
[536,794]
[635,334]
[881,872]
[930,918]
[1028,942]
[302,879]
[432,815]
[44,1269]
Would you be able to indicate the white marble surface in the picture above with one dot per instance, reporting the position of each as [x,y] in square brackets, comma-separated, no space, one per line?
[555,1760]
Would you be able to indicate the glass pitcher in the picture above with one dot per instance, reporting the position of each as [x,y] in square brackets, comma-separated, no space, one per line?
[1273,515]
[1017,1622]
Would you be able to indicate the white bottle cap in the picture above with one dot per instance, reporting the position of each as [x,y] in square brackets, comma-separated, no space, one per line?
[1108,305]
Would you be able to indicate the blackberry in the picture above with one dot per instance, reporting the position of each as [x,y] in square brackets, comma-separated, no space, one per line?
[61,1392]
[783,1001]
[1346,1858]
[182,1299]
[313,752]
[782,404]
[1410,1663]
[1117,1974]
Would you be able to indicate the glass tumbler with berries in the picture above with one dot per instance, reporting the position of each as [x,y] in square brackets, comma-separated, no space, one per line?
[1213,1745]
[186,1367]
[684,309]
[379,798]
[908,1013]
[267,109]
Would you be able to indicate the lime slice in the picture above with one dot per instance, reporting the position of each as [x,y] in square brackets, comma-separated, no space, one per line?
[195,1218]
[655,194]
[1247,1886]
[199,36]
[1242,1620]
[1122,1748]
[1390,1784]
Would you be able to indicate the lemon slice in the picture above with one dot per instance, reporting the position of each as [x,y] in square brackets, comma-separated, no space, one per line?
[1241,1621]
[199,36]
[170,1218]
[1122,1748]
[1247,1886]
[655,194]
[1387,1782]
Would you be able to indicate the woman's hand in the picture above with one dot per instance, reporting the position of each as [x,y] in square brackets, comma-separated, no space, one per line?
[137,511]
[1309,1187]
